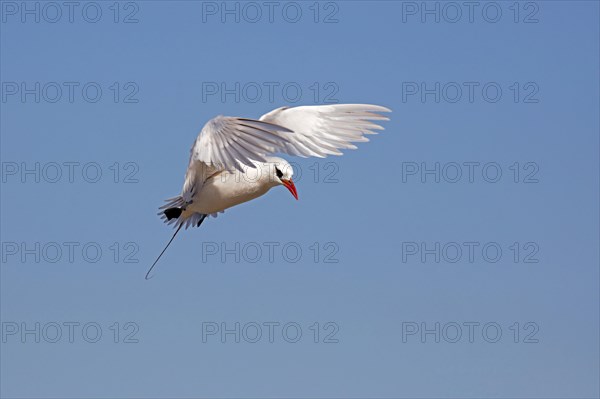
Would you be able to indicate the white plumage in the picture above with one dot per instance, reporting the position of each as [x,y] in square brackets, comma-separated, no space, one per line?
[231,163]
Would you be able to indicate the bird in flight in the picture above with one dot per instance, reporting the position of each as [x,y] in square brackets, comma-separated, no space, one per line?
[231,163]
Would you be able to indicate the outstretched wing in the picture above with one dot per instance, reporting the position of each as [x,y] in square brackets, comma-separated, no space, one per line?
[228,143]
[323,130]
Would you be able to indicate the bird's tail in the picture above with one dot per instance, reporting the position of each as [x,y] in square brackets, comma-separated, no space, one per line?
[173,213]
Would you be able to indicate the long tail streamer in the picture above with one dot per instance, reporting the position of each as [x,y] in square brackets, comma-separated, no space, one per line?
[163,251]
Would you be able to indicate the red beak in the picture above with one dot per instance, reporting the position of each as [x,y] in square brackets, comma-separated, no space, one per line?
[289,184]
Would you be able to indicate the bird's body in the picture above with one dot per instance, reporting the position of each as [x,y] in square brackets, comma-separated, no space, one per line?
[224,189]
[230,160]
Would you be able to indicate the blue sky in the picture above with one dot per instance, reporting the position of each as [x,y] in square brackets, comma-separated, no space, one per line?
[390,248]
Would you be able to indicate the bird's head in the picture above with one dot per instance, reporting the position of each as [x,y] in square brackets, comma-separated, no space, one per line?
[282,173]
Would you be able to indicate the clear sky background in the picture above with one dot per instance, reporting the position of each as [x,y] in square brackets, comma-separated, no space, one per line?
[371,210]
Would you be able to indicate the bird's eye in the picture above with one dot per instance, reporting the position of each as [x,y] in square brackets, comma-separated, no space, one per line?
[278,172]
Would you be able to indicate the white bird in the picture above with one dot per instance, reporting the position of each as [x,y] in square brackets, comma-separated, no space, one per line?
[230,163]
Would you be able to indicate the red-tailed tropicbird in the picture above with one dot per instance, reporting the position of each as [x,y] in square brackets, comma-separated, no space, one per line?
[230,162]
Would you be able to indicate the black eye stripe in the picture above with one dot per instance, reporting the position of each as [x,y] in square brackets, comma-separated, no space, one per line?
[278,172]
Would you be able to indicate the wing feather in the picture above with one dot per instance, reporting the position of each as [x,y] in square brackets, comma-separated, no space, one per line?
[229,142]
[323,130]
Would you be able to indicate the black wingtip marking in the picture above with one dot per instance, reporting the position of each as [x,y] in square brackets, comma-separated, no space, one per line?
[173,213]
